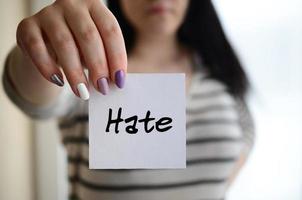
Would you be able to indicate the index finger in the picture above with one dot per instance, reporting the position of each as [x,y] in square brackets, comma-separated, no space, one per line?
[113,41]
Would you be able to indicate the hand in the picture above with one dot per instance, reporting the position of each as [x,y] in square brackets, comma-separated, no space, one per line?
[71,34]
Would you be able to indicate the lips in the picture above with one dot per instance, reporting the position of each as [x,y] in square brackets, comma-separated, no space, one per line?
[159,8]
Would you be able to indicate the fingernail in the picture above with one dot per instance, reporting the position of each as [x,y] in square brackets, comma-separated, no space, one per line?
[120,78]
[56,79]
[103,85]
[83,91]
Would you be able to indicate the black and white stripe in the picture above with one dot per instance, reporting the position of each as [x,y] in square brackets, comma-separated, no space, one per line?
[219,130]
[215,140]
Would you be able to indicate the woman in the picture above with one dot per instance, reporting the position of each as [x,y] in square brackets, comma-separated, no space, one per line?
[160,36]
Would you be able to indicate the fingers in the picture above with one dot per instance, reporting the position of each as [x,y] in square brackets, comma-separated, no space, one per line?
[72,33]
[113,41]
[91,46]
[65,49]
[30,40]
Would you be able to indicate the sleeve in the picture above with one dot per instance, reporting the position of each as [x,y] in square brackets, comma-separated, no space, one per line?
[246,124]
[60,107]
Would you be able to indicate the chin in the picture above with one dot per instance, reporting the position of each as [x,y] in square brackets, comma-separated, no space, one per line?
[161,32]
[162,28]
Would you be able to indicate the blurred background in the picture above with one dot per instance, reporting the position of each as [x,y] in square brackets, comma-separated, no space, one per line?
[267,35]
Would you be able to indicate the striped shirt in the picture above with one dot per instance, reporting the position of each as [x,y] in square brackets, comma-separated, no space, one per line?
[219,131]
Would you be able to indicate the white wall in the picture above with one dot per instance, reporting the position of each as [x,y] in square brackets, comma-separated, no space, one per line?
[268,36]
[16,177]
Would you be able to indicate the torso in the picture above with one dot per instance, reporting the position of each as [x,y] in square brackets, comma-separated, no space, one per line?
[214,142]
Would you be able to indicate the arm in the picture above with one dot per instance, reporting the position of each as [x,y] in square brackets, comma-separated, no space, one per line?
[27,80]
[247,126]
[58,106]
[239,164]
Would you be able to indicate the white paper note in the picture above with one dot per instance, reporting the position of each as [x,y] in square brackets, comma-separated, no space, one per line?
[163,95]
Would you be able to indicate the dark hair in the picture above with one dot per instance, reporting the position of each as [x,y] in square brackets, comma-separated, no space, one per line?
[202,32]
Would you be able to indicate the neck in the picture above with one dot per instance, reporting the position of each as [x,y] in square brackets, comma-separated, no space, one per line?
[156,48]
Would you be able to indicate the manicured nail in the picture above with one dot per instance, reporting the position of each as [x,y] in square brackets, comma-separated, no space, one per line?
[83,91]
[103,85]
[120,78]
[56,79]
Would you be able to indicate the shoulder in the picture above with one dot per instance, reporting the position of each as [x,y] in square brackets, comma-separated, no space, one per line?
[204,87]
